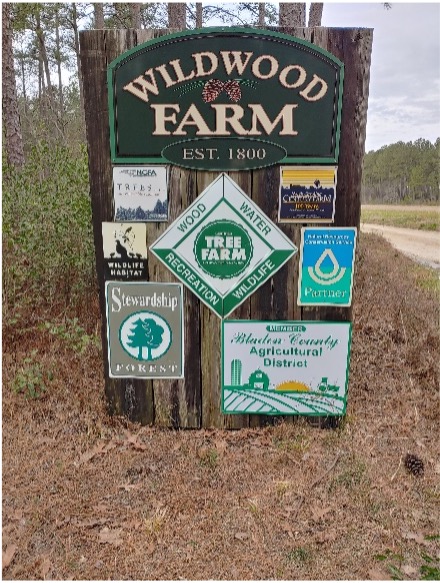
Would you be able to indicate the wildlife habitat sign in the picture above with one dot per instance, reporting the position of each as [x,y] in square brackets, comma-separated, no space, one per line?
[125,251]
[285,367]
[144,329]
[225,99]
[223,247]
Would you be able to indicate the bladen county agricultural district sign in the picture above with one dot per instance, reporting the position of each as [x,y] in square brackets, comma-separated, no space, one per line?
[285,368]
[225,99]
[223,247]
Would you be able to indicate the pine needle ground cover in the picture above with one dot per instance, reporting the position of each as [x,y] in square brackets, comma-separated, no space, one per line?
[90,497]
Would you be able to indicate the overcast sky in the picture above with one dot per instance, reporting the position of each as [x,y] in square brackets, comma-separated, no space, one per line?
[404,101]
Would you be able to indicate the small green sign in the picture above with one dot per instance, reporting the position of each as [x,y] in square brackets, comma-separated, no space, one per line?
[144,329]
[327,266]
[223,247]
[225,99]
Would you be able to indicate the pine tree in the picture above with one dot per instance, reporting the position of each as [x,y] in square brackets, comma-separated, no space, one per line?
[145,334]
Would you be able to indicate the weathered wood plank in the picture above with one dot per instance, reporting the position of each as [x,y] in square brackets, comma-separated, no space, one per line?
[243,311]
[210,326]
[130,397]
[166,391]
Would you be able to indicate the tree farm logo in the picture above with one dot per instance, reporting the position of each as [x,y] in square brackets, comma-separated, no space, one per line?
[223,249]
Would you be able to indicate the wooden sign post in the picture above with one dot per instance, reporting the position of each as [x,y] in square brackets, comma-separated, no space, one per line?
[195,401]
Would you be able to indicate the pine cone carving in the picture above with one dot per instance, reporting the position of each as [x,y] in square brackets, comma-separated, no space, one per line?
[414,465]
[212,90]
[233,90]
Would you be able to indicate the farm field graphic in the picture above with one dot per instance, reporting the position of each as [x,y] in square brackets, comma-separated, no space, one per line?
[301,370]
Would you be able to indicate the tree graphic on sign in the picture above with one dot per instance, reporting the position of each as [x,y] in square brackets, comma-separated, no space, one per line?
[145,334]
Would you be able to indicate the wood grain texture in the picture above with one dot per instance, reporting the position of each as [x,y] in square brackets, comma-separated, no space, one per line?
[195,401]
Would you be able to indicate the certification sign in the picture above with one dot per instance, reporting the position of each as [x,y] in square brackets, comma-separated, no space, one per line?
[327,266]
[144,330]
[223,247]
[140,193]
[307,194]
[285,368]
[125,251]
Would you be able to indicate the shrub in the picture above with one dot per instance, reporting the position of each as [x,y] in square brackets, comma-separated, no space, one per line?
[48,252]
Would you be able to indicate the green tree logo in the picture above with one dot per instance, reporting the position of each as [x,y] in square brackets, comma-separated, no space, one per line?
[145,336]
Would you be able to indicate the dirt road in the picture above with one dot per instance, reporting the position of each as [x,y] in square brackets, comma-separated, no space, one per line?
[422,246]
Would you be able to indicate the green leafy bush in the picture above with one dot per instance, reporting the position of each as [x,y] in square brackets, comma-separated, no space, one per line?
[48,252]
[72,334]
[30,379]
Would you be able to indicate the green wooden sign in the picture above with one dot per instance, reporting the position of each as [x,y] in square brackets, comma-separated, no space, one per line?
[225,99]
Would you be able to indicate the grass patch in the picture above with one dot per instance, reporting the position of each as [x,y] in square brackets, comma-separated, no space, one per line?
[422,219]
[426,278]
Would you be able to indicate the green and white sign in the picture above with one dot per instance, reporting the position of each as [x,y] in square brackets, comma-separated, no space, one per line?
[225,99]
[144,329]
[223,247]
[285,368]
[327,266]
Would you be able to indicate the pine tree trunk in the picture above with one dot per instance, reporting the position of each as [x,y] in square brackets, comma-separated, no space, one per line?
[78,63]
[261,13]
[199,15]
[99,15]
[315,13]
[11,117]
[177,15]
[45,60]
[23,84]
[292,14]
[135,12]
[58,60]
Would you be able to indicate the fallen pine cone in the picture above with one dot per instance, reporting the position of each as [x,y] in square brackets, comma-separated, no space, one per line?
[414,465]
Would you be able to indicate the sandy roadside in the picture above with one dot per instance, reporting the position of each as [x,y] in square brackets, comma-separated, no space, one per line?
[422,246]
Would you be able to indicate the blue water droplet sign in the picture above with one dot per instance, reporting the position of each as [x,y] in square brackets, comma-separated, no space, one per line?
[326,266]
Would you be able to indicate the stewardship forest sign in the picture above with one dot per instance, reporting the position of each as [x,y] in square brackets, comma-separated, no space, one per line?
[225,99]
[144,329]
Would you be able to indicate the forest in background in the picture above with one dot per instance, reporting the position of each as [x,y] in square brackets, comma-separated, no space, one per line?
[402,173]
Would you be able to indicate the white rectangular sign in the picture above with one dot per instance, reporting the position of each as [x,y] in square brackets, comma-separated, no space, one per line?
[284,367]
[140,193]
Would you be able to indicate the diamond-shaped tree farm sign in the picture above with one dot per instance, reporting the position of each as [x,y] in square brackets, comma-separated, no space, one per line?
[223,247]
